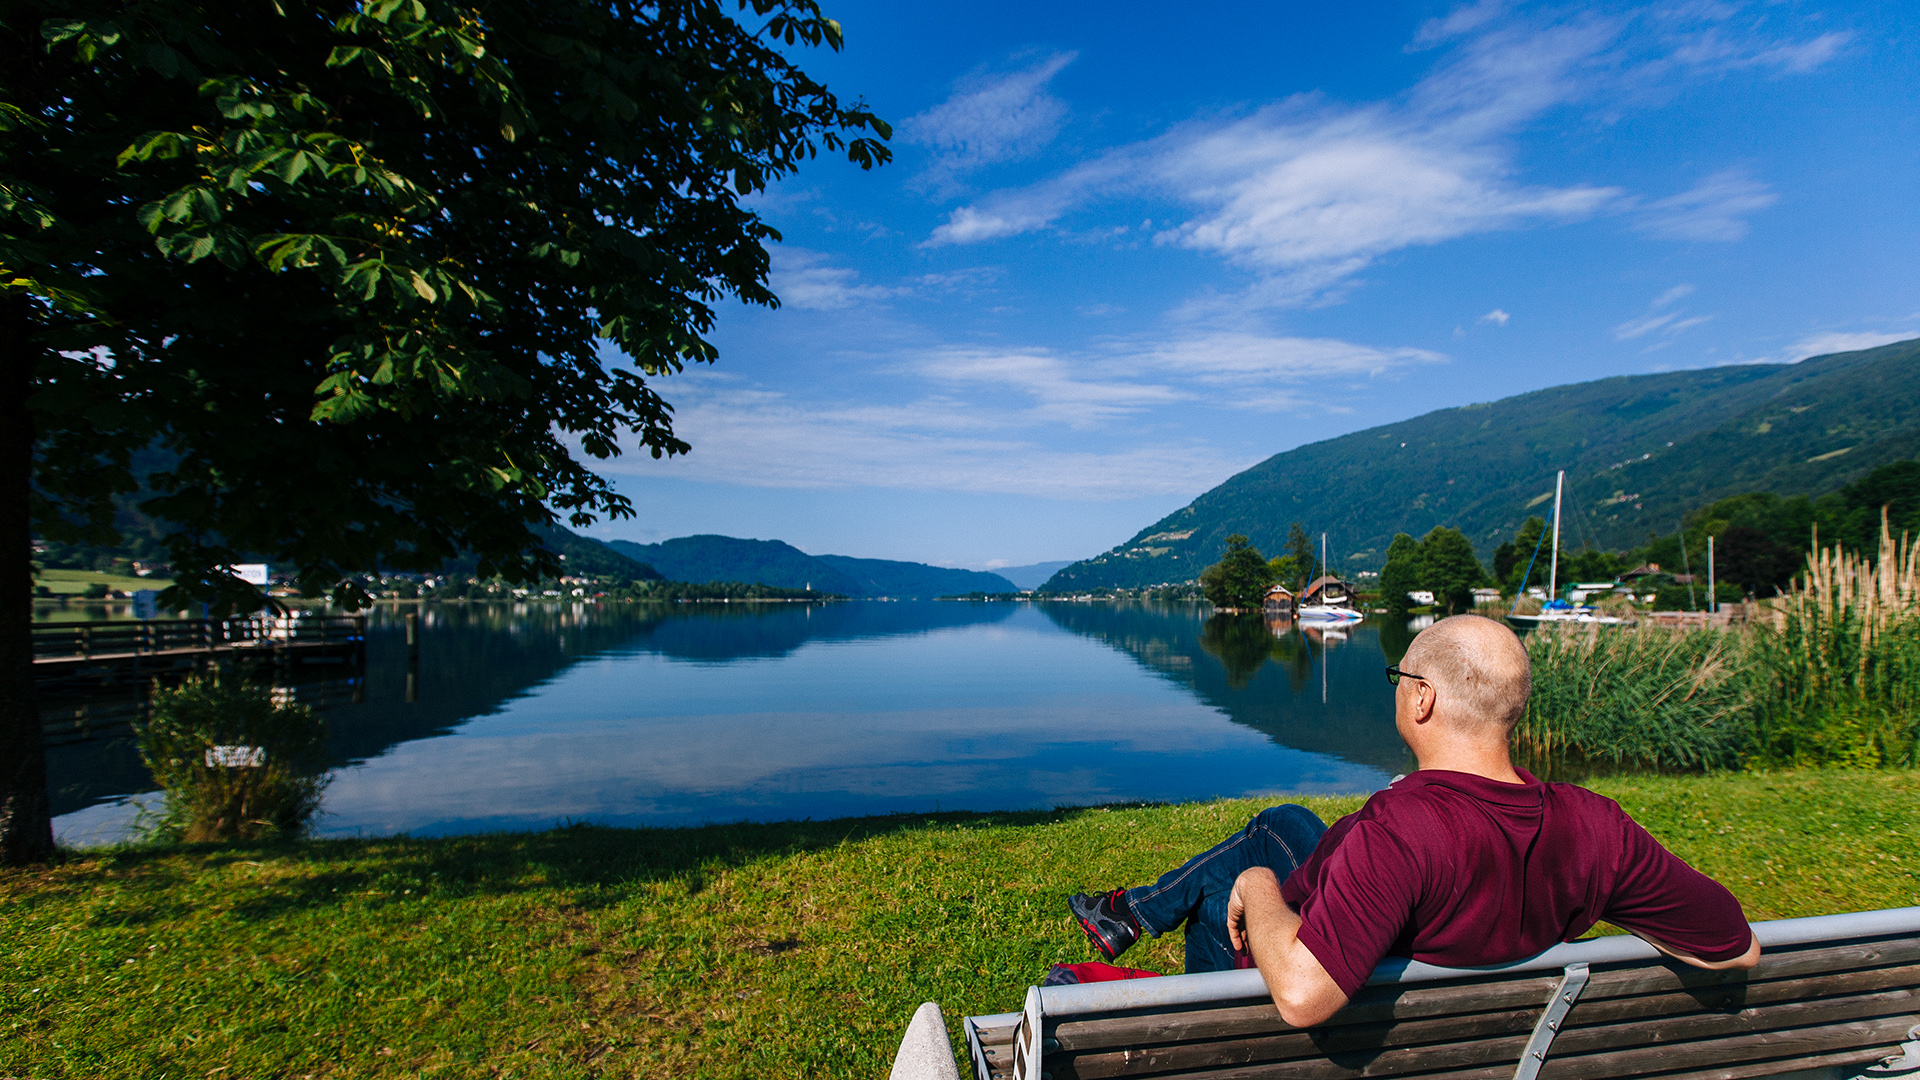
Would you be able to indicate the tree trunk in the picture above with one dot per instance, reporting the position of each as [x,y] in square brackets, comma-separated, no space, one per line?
[26,821]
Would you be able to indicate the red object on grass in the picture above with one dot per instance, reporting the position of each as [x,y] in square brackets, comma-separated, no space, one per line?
[1097,972]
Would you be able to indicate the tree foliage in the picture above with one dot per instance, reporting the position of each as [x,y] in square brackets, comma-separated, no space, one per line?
[376,277]
[374,271]
[1442,563]
[1240,579]
[1401,574]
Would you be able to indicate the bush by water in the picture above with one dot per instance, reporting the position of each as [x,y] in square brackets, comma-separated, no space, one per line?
[234,763]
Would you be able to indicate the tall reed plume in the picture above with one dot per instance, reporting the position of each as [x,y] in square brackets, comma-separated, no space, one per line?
[1839,675]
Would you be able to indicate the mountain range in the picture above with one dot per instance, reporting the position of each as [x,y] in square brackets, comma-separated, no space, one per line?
[707,558]
[1639,451]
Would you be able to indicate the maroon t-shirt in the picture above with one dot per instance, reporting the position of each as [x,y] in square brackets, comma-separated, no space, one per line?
[1459,870]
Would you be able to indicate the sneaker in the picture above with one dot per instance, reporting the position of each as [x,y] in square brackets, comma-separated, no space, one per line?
[1109,925]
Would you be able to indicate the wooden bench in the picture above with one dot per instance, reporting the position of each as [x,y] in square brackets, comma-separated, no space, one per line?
[1835,992]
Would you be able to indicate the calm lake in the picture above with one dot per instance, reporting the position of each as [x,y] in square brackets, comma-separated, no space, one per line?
[528,715]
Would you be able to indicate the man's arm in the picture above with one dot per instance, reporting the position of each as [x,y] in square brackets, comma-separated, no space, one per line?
[1259,921]
[1742,962]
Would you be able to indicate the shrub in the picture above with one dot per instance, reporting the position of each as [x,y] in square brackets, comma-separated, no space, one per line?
[211,800]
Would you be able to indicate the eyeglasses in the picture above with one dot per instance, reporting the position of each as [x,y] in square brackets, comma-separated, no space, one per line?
[1394,675]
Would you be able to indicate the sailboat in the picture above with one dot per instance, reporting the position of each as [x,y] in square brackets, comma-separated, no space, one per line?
[1336,603]
[1556,610]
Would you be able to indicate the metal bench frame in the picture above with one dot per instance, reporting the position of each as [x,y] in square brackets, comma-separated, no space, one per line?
[1573,960]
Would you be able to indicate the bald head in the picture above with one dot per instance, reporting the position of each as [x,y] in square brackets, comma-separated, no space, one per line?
[1479,671]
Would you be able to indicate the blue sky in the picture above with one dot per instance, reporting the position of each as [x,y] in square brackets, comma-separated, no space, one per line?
[1125,251]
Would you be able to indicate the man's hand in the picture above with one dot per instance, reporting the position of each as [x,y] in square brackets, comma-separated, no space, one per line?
[1260,922]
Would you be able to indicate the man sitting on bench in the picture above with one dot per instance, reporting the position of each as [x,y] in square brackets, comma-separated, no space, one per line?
[1466,862]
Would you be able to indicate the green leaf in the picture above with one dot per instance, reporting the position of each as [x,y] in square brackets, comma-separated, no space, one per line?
[59,30]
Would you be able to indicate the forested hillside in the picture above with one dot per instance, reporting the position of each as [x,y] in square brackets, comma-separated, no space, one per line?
[772,562]
[1640,451]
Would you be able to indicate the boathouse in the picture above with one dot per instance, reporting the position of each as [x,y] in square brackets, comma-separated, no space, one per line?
[1279,603]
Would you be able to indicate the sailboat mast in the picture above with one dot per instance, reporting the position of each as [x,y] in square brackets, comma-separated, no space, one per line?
[1553,575]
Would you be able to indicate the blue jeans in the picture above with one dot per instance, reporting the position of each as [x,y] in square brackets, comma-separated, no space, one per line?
[1279,837]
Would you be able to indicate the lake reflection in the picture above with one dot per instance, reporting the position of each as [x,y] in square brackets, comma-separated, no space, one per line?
[528,715]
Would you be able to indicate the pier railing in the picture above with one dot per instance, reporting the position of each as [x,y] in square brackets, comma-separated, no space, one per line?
[65,644]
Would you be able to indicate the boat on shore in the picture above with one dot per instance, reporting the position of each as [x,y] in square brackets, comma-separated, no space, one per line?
[1327,600]
[1556,612]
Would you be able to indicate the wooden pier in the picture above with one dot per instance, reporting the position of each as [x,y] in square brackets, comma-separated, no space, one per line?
[105,650]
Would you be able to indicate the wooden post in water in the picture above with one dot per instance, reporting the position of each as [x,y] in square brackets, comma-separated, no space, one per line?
[413,656]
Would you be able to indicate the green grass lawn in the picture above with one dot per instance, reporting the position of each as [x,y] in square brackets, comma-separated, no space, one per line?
[795,949]
[75,582]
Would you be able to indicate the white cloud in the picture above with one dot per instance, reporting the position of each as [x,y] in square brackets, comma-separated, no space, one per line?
[1670,324]
[1307,193]
[1839,342]
[1497,317]
[1086,425]
[1461,20]
[1062,390]
[989,119]
[1715,209]
[1634,328]
[1251,363]
[1678,292]
[803,279]
[767,440]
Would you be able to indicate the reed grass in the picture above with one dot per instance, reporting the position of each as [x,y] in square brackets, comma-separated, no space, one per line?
[1829,674]
[1838,670]
[1641,697]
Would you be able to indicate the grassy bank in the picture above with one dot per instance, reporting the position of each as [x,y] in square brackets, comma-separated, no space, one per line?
[796,949]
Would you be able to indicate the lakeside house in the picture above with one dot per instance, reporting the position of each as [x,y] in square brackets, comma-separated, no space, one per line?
[1278,603]
[1328,590]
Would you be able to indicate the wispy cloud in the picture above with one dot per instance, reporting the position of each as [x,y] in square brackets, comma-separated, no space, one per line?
[1678,292]
[804,279]
[1497,317]
[758,439]
[1715,209]
[989,119]
[982,419]
[1307,193]
[1841,341]
[1669,324]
